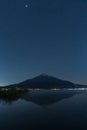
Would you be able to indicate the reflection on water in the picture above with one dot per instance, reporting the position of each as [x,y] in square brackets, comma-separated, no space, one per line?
[62,109]
[46,97]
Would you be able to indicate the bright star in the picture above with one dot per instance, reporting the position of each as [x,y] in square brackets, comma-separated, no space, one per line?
[26,6]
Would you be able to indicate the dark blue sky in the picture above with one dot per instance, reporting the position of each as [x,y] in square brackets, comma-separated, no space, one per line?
[49,36]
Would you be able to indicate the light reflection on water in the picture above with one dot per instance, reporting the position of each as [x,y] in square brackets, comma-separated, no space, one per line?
[60,109]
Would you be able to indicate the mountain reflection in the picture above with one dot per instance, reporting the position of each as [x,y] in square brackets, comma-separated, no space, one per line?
[42,97]
[48,97]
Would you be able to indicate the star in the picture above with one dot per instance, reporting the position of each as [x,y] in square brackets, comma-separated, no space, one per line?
[26,6]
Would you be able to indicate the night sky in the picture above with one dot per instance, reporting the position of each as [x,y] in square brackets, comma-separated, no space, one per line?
[43,36]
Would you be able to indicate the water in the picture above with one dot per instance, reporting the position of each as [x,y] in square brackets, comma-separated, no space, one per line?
[47,109]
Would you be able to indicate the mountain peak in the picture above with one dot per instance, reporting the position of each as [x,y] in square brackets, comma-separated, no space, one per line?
[44,75]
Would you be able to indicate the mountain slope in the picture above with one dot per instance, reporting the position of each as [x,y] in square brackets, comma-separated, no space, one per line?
[46,82]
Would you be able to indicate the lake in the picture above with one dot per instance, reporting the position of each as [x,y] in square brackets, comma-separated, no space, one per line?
[45,109]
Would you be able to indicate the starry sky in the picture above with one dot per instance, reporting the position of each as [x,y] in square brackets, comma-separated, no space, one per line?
[43,36]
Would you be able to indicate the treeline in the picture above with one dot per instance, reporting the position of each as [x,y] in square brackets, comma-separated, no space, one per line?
[11,94]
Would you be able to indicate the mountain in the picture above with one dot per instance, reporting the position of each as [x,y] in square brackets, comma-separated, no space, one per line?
[45,82]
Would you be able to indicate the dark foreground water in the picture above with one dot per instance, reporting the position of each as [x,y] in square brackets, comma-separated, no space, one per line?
[57,110]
